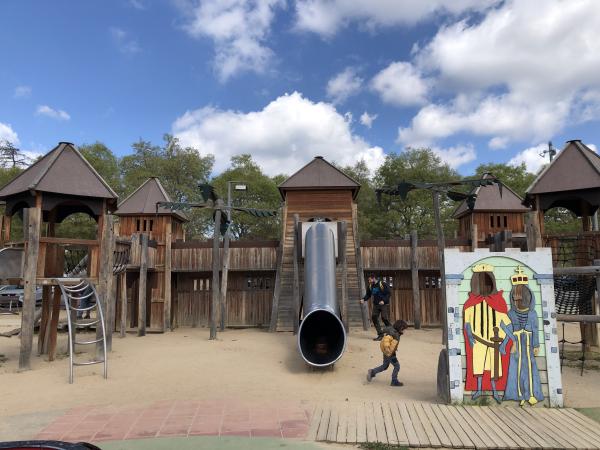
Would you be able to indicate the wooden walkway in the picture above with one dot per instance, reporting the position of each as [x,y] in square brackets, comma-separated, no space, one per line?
[418,425]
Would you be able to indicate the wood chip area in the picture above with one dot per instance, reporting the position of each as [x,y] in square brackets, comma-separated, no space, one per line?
[425,425]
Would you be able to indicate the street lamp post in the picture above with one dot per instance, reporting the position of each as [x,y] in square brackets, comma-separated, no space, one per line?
[239,186]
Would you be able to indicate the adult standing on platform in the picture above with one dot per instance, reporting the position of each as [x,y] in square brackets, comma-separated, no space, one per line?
[380,292]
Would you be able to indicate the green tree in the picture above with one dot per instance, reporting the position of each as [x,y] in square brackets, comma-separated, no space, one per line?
[396,217]
[365,200]
[104,162]
[262,193]
[180,169]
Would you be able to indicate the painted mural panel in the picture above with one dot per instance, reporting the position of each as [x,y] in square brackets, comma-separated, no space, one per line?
[502,329]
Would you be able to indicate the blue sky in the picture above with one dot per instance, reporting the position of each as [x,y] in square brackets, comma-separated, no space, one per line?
[476,80]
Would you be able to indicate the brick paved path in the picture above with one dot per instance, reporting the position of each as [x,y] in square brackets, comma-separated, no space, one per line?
[180,418]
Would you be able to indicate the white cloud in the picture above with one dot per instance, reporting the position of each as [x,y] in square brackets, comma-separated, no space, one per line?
[400,84]
[344,85]
[325,17]
[504,117]
[456,156]
[531,157]
[592,147]
[58,114]
[282,137]
[522,73]
[8,134]
[138,4]
[124,42]
[367,119]
[239,29]
[22,92]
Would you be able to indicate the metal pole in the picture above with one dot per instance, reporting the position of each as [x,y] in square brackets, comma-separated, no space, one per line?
[441,246]
[215,270]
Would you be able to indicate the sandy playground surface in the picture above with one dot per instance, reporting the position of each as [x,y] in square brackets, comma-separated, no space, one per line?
[250,365]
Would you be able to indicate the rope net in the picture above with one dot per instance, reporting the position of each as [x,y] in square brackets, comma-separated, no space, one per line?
[573,294]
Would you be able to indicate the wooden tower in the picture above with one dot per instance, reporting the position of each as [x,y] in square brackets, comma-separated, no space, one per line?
[59,184]
[491,213]
[147,226]
[318,191]
[571,181]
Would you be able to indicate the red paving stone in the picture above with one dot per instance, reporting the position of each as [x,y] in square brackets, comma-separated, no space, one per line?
[179,418]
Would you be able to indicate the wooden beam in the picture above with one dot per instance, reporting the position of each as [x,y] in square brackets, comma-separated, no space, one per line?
[414,272]
[224,278]
[279,271]
[342,238]
[364,308]
[168,267]
[441,245]
[44,322]
[296,281]
[29,277]
[215,271]
[53,328]
[143,280]
[474,237]
[533,231]
[123,301]
[108,296]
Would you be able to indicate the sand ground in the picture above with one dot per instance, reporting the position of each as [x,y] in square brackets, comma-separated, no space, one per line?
[251,365]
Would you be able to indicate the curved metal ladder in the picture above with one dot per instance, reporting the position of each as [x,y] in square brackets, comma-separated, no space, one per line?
[74,294]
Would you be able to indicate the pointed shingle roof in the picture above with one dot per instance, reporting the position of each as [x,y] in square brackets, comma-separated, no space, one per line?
[63,170]
[143,201]
[319,174]
[576,167]
[488,199]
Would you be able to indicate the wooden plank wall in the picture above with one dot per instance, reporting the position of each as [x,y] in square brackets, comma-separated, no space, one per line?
[196,256]
[249,296]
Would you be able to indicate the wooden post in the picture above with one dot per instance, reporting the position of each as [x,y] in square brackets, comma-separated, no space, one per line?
[364,308]
[441,245]
[44,322]
[532,229]
[277,287]
[215,270]
[6,219]
[29,279]
[2,230]
[342,237]
[296,282]
[123,301]
[474,237]
[142,285]
[596,310]
[168,325]
[223,299]
[414,272]
[53,328]
[107,295]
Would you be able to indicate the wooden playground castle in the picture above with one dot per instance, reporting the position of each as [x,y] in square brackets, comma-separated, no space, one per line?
[167,281]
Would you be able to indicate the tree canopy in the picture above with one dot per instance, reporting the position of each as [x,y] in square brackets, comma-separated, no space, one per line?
[182,169]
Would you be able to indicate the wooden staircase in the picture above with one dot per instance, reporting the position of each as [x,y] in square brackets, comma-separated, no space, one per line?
[285,311]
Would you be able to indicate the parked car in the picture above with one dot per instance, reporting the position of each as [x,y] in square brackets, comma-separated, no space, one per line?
[11,296]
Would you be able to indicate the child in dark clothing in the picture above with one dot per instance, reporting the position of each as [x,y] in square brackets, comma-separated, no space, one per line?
[389,345]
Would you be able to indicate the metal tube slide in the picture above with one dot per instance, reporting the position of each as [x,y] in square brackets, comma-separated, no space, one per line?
[321,336]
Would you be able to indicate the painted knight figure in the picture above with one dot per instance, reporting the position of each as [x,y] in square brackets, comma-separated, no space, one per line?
[485,323]
[523,382]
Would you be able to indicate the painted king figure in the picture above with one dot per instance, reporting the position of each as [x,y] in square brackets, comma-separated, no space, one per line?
[523,382]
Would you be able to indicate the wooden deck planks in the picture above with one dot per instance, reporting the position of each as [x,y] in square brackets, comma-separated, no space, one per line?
[361,424]
[411,432]
[371,431]
[522,437]
[458,438]
[442,426]
[469,430]
[388,420]
[418,425]
[573,421]
[437,426]
[379,423]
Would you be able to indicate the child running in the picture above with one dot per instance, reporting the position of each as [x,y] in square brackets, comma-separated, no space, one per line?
[389,345]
